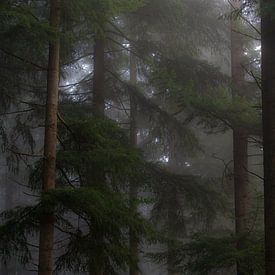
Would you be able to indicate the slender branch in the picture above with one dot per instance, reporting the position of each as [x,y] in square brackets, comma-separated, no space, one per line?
[252,173]
[245,19]
[65,175]
[23,59]
[24,154]
[247,35]
[17,112]
[256,79]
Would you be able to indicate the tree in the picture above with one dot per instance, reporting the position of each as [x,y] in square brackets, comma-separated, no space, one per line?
[240,139]
[268,101]
[46,264]
[133,190]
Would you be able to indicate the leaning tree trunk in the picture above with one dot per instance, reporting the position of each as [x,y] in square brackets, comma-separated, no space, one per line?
[133,270]
[268,101]
[240,141]
[47,221]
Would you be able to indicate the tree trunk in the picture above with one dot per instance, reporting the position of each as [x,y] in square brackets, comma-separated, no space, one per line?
[240,142]
[91,272]
[99,77]
[99,111]
[172,211]
[241,189]
[133,270]
[268,101]
[47,221]
[172,217]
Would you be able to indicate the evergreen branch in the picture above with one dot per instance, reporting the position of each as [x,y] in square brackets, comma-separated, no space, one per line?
[17,112]
[127,49]
[78,58]
[23,101]
[256,79]
[66,125]
[254,174]
[247,35]
[23,59]
[122,34]
[24,154]
[83,80]
[245,19]
[64,175]
[226,166]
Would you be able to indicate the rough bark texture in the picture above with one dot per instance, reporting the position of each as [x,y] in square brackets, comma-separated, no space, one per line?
[240,143]
[133,270]
[47,221]
[268,98]
[99,77]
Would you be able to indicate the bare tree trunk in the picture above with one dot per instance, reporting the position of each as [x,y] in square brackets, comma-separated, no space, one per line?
[240,141]
[133,139]
[268,101]
[99,77]
[47,221]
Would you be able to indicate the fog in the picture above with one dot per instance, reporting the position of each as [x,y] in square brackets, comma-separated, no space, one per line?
[131,137]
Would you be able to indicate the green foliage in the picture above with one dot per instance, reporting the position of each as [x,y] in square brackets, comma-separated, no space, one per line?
[16,226]
[194,203]
[95,146]
[170,75]
[204,254]
[109,217]
[106,215]
[218,111]
[27,24]
[97,13]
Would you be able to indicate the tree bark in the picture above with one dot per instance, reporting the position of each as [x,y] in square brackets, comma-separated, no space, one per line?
[268,102]
[99,77]
[240,141]
[133,270]
[98,105]
[171,211]
[172,217]
[49,175]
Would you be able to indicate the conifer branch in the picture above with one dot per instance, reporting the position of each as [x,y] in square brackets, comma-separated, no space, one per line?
[23,59]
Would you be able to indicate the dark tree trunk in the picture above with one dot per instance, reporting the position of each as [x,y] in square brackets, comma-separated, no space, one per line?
[240,180]
[172,211]
[240,141]
[241,189]
[172,217]
[47,221]
[101,272]
[99,77]
[268,101]
[133,270]
[99,112]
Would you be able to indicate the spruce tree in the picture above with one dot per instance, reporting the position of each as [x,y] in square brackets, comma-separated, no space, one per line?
[46,244]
